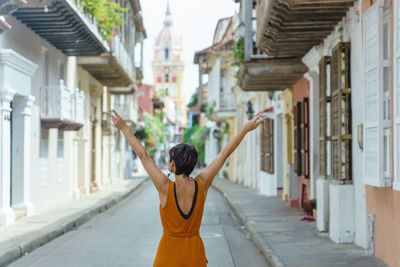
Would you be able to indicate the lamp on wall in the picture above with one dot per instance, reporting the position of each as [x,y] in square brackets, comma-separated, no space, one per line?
[216,134]
[250,111]
[271,95]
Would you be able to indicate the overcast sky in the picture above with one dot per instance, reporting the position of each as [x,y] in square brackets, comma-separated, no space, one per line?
[194,20]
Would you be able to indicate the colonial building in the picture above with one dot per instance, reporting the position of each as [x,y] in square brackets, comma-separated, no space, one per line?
[168,73]
[56,138]
[335,112]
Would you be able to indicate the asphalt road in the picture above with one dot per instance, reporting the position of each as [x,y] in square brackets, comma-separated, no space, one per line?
[128,235]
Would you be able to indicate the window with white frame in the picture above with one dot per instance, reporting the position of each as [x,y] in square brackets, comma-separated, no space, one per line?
[45,66]
[60,155]
[376,82]
[396,184]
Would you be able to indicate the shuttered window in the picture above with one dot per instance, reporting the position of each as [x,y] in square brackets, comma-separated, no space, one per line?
[341,134]
[377,105]
[302,138]
[297,138]
[305,139]
[324,113]
[267,146]
[396,184]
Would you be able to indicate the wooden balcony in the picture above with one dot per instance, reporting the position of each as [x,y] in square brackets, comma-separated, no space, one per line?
[59,108]
[261,71]
[292,27]
[115,70]
[62,24]
[270,74]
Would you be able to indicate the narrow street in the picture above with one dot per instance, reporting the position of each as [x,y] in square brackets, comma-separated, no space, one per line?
[128,235]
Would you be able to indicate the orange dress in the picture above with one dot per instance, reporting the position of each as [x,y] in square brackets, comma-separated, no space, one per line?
[181,244]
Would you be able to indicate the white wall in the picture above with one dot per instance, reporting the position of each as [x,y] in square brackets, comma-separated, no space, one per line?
[352,33]
[56,191]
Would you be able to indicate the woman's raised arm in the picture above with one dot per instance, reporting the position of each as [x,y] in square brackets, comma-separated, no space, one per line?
[160,180]
[207,176]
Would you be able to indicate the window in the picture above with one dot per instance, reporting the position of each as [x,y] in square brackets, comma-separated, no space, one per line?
[396,184]
[301,138]
[60,155]
[376,76]
[43,156]
[166,78]
[305,139]
[174,79]
[297,138]
[267,146]
[60,71]
[174,90]
[324,114]
[166,53]
[159,79]
[45,67]
[341,135]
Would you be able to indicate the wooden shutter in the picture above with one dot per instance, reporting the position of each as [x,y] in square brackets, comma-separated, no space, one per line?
[396,184]
[323,114]
[304,133]
[262,143]
[341,112]
[270,146]
[373,110]
[297,138]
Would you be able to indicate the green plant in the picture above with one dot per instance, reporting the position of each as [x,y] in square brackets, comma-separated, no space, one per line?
[161,93]
[225,130]
[156,132]
[340,30]
[238,52]
[193,101]
[108,15]
[197,137]
[209,109]
[225,174]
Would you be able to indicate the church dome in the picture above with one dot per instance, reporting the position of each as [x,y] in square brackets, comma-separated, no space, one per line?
[168,44]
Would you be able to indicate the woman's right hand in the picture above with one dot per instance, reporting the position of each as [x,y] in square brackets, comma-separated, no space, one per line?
[253,123]
[119,122]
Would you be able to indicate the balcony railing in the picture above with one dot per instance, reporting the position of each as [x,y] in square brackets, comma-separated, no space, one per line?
[227,102]
[123,56]
[123,111]
[56,102]
[256,52]
[56,109]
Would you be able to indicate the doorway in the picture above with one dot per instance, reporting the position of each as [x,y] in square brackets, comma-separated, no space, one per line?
[11,153]
[94,185]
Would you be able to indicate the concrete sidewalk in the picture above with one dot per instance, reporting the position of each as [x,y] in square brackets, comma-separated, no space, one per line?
[282,237]
[34,231]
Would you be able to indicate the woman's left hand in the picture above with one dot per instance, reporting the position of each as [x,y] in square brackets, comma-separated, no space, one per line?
[119,122]
[253,124]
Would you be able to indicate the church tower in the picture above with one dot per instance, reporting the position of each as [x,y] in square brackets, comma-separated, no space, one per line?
[168,68]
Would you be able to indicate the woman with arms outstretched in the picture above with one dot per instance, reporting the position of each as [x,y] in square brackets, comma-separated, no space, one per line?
[182,201]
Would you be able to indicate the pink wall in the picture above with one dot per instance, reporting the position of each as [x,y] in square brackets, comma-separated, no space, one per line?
[144,95]
[385,204]
[301,89]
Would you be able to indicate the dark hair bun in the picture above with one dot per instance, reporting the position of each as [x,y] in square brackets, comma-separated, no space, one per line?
[185,157]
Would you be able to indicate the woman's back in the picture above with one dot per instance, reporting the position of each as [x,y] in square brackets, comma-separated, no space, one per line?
[181,244]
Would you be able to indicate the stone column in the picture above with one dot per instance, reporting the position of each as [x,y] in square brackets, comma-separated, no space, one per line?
[7,215]
[21,153]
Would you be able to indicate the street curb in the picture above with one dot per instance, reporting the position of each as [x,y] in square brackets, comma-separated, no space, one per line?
[21,245]
[255,237]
